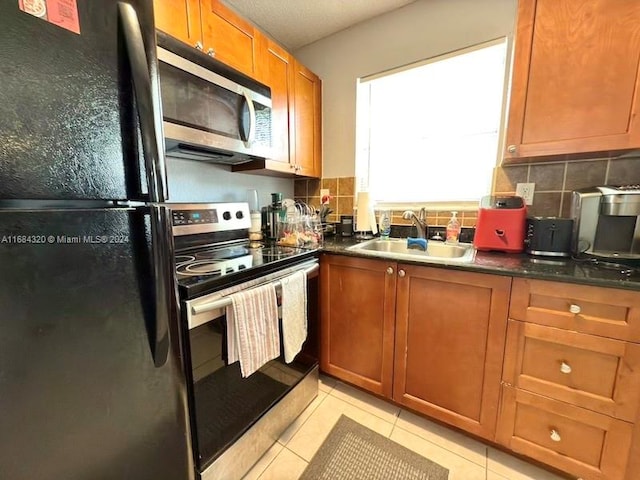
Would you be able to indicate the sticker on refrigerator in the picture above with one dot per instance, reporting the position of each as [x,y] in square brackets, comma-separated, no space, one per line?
[63,13]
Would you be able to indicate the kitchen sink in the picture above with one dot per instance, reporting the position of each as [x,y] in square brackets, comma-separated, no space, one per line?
[396,248]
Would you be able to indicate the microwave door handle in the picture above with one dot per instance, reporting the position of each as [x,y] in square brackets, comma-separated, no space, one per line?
[146,91]
[252,118]
[147,101]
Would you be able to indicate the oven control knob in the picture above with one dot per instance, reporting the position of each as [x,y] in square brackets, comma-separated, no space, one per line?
[239,215]
[226,215]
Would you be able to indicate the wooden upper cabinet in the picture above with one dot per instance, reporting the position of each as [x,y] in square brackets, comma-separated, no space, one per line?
[275,69]
[295,90]
[180,19]
[307,112]
[228,37]
[575,79]
[357,298]
[449,345]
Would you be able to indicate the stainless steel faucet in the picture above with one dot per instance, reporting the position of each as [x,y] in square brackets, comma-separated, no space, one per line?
[420,221]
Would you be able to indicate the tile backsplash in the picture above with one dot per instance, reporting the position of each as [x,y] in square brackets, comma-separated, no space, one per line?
[554,182]
[342,191]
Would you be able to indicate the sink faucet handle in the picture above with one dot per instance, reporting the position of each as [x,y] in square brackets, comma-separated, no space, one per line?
[407,214]
[423,214]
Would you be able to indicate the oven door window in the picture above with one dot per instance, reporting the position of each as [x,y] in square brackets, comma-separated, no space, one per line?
[226,404]
[193,102]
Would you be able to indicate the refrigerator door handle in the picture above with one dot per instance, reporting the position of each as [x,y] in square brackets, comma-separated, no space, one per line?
[146,90]
[163,279]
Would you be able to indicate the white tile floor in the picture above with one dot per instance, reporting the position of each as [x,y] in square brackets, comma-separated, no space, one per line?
[465,458]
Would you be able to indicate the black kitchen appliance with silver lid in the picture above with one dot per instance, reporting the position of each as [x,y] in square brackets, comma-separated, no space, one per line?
[549,236]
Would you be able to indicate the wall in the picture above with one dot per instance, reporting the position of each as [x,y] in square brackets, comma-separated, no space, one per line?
[191,181]
[421,30]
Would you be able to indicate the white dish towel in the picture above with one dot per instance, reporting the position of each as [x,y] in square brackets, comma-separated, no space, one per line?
[294,314]
[253,336]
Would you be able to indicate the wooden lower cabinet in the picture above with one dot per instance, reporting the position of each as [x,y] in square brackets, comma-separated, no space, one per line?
[606,312]
[357,301]
[596,373]
[450,334]
[575,440]
[438,342]
[448,327]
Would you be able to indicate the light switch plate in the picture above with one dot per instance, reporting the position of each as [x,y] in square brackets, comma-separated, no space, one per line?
[526,191]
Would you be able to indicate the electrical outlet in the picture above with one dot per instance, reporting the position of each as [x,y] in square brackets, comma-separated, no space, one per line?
[323,192]
[526,190]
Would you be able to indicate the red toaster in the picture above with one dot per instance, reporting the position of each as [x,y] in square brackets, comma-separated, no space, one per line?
[501,224]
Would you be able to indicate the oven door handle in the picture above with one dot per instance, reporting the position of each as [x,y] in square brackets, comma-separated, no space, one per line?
[226,301]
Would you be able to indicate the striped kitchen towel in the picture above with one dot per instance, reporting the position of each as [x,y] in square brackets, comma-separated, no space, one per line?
[253,336]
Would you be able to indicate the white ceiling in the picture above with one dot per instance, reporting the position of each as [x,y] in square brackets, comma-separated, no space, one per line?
[295,23]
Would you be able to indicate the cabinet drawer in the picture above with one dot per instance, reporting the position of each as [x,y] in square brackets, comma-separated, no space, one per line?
[593,372]
[575,440]
[600,311]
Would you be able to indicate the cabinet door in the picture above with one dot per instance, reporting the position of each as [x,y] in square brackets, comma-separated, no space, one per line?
[575,79]
[450,336]
[229,37]
[275,68]
[180,19]
[357,317]
[307,112]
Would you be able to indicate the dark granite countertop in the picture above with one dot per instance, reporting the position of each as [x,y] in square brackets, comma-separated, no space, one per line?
[518,265]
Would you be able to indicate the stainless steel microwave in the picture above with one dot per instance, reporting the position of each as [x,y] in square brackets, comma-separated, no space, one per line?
[211,112]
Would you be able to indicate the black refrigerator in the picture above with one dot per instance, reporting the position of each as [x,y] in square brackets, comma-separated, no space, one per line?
[91,381]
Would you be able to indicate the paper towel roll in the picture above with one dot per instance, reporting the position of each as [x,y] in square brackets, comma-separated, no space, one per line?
[365,218]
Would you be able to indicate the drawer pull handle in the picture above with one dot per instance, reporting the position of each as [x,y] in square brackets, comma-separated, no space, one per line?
[555,436]
[565,367]
[575,309]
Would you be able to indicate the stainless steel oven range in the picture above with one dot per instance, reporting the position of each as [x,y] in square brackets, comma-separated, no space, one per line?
[235,419]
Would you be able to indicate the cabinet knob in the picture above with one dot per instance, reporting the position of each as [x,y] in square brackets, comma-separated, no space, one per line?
[211,52]
[511,149]
[198,46]
[565,368]
[389,271]
[555,435]
[575,309]
[401,273]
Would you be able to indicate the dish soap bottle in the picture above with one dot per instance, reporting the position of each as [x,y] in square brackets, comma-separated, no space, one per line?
[453,229]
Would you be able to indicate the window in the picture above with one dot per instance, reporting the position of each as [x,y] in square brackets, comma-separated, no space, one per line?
[429,132]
